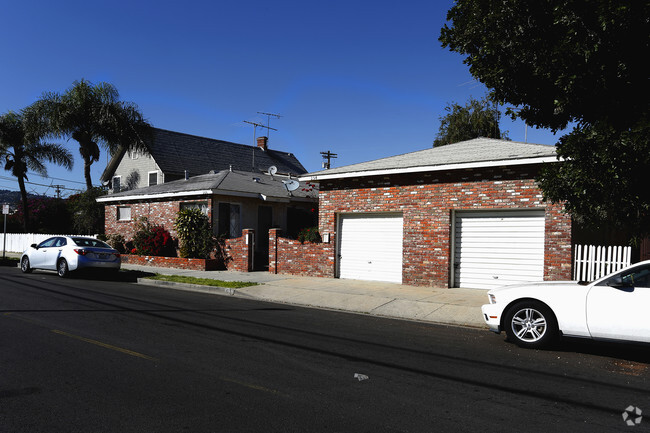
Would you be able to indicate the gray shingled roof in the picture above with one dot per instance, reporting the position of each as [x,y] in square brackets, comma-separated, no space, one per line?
[175,152]
[223,182]
[464,152]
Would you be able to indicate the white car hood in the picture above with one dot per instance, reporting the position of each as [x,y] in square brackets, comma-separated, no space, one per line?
[535,286]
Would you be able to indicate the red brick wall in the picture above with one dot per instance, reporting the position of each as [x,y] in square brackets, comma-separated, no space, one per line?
[172,262]
[289,256]
[426,201]
[239,253]
[160,213]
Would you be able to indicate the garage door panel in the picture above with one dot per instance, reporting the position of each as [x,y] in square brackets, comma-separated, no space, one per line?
[371,247]
[498,248]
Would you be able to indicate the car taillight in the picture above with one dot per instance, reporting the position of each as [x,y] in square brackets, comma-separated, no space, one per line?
[80,251]
[117,255]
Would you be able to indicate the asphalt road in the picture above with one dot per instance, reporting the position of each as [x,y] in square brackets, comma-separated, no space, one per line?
[89,355]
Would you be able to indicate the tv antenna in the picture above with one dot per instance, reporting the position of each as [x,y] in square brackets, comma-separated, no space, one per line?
[255,125]
[268,119]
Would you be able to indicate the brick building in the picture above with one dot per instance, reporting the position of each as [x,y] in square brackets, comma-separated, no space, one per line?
[236,202]
[468,214]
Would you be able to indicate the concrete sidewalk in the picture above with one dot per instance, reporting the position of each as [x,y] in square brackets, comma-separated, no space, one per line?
[448,306]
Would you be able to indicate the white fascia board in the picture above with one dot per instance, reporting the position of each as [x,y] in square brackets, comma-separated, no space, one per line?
[106,199]
[430,168]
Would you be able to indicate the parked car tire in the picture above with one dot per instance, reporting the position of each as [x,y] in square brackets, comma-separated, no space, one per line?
[62,268]
[24,265]
[530,324]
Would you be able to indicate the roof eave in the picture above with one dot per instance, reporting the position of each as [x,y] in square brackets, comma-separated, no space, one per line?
[428,168]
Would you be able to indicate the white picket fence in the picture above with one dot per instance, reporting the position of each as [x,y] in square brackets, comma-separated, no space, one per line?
[592,262]
[18,242]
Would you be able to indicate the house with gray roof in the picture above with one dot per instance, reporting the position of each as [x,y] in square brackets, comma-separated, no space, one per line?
[175,155]
[468,214]
[233,200]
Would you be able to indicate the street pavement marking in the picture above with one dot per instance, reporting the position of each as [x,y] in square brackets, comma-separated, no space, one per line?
[255,387]
[104,345]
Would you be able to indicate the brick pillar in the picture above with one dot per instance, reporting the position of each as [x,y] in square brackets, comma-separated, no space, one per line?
[249,242]
[274,234]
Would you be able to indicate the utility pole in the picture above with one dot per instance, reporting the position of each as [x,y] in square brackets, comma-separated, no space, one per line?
[328,156]
[58,190]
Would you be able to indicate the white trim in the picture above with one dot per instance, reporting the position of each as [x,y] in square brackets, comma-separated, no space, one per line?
[150,196]
[108,199]
[149,178]
[429,168]
[113,182]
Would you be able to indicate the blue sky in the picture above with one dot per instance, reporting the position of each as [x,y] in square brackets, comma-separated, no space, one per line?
[362,79]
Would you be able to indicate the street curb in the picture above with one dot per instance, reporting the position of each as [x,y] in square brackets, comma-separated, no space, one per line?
[374,312]
[188,287]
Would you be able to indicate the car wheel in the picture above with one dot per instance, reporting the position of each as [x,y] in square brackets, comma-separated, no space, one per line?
[62,268]
[530,324]
[24,265]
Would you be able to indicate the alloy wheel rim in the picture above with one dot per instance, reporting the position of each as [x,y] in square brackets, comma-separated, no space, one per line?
[529,325]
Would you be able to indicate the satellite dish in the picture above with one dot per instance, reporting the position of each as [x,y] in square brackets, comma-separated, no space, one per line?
[272,170]
[291,184]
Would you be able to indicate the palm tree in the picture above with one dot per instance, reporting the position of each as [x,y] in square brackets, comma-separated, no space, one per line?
[22,150]
[93,115]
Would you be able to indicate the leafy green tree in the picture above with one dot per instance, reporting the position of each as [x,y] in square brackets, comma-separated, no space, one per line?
[22,151]
[87,214]
[603,181]
[93,115]
[560,62]
[195,234]
[478,118]
[571,62]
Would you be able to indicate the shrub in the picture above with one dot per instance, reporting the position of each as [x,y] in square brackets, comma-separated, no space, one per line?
[116,241]
[195,233]
[152,240]
[309,234]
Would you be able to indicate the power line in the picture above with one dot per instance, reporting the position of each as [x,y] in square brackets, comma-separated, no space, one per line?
[27,182]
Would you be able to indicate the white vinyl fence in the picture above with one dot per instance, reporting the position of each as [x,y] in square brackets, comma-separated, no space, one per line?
[592,262]
[18,242]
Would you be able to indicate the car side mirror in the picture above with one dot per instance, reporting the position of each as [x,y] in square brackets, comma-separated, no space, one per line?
[34,246]
[617,282]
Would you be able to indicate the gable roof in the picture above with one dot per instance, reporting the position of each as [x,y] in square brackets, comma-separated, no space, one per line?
[175,152]
[225,182]
[478,152]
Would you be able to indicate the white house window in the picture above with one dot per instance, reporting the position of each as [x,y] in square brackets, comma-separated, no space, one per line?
[230,220]
[124,213]
[153,178]
[200,205]
[116,184]
[133,154]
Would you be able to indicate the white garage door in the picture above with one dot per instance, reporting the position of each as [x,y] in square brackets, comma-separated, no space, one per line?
[370,247]
[498,248]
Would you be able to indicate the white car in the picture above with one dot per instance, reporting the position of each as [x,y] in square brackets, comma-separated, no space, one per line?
[65,254]
[615,307]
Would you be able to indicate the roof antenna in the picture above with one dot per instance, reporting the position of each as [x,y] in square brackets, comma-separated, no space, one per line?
[255,125]
[268,120]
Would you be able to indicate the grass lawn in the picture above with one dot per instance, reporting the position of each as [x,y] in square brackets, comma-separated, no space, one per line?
[202,281]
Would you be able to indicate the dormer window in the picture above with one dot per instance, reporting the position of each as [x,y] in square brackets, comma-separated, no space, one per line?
[116,184]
